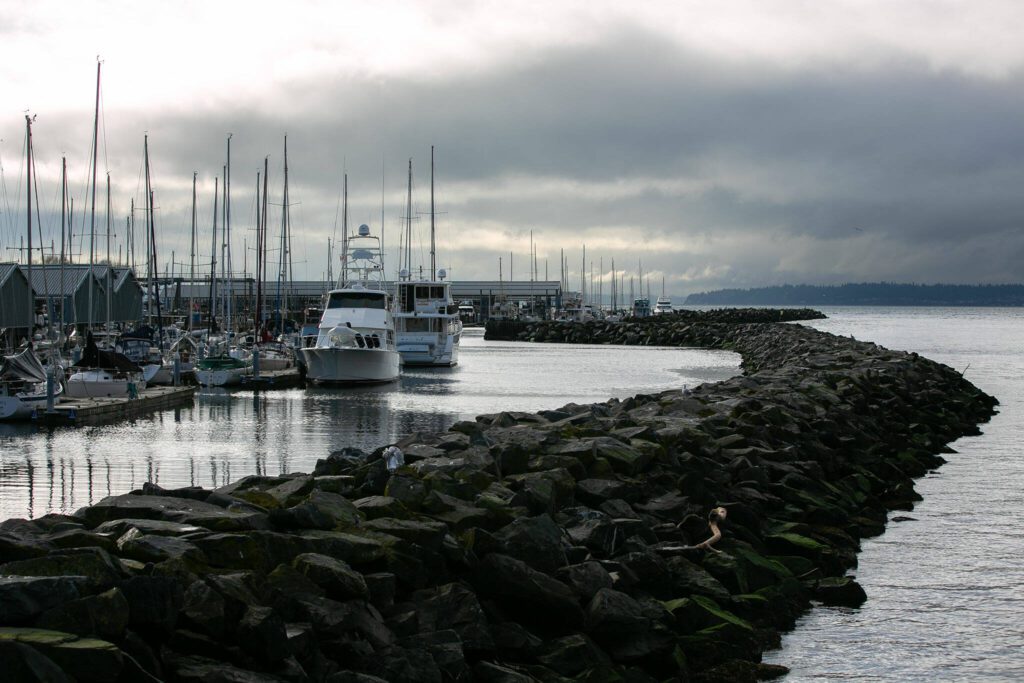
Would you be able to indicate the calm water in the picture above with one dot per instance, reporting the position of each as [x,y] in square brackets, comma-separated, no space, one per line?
[225,436]
[945,591]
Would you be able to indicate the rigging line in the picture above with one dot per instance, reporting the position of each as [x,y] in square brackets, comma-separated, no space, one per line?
[7,200]
[103,117]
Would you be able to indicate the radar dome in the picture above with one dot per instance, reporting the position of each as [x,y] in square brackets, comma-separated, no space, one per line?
[364,230]
[442,274]
[404,273]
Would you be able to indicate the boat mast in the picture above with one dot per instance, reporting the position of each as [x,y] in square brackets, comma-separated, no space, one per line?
[259,262]
[282,265]
[263,236]
[28,211]
[92,220]
[151,225]
[213,257]
[109,262]
[433,264]
[227,240]
[408,223]
[63,230]
[344,227]
[192,259]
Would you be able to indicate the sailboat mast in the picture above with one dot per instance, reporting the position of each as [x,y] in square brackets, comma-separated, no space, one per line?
[92,220]
[344,225]
[282,265]
[227,238]
[28,207]
[151,224]
[192,259]
[213,257]
[408,223]
[433,264]
[259,261]
[63,229]
[262,275]
[109,262]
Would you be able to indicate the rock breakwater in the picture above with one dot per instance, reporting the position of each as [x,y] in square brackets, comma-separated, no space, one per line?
[543,546]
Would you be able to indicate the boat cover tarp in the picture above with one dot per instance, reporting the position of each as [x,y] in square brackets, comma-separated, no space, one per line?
[94,357]
[141,332]
[24,366]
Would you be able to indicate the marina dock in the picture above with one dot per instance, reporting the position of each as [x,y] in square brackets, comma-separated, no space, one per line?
[98,410]
[274,379]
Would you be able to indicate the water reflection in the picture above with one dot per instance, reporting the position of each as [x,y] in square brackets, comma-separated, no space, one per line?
[225,435]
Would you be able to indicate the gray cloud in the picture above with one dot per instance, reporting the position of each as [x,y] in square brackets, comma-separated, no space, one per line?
[715,174]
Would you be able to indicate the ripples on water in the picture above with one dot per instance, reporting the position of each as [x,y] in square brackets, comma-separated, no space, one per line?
[225,436]
[946,590]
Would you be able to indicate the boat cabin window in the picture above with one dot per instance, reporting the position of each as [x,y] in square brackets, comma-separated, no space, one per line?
[357,300]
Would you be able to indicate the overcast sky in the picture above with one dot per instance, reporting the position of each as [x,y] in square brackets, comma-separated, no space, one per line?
[723,144]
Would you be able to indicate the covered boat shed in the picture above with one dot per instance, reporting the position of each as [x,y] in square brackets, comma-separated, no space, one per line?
[14,303]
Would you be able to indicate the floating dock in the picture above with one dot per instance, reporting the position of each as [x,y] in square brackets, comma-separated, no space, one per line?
[274,379]
[75,411]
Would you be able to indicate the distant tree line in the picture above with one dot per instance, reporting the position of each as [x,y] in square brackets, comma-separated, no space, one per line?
[865,294]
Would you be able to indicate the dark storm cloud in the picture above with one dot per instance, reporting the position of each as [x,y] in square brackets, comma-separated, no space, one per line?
[760,174]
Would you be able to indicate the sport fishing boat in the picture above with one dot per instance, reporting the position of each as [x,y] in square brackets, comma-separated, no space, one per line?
[356,338]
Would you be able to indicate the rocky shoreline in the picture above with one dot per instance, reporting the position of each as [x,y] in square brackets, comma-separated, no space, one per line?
[546,546]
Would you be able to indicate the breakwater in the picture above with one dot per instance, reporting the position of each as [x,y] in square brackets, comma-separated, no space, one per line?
[516,547]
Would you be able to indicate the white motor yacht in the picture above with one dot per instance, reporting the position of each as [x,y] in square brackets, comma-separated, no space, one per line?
[662,305]
[427,321]
[356,338]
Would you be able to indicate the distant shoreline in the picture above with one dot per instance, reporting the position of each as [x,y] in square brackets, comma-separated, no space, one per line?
[866,294]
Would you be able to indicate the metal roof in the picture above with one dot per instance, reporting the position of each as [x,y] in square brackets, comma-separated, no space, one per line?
[6,270]
[47,281]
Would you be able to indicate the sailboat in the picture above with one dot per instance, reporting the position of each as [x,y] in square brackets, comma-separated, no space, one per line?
[229,366]
[427,322]
[23,386]
[356,338]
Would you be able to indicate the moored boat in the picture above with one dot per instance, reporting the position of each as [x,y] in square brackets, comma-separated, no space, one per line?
[356,336]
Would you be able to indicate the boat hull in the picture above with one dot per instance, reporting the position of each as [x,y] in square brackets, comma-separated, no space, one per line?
[21,407]
[350,366]
[100,384]
[222,377]
[418,353]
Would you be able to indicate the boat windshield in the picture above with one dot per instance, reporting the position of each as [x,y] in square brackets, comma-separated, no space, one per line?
[357,300]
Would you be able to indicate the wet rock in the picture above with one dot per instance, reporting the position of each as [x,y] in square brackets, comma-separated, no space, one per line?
[536,541]
[21,662]
[335,576]
[94,565]
[373,507]
[839,590]
[24,597]
[103,616]
[533,596]
[572,655]
[261,633]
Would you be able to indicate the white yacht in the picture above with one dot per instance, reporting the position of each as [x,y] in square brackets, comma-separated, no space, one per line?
[662,305]
[356,339]
[427,322]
